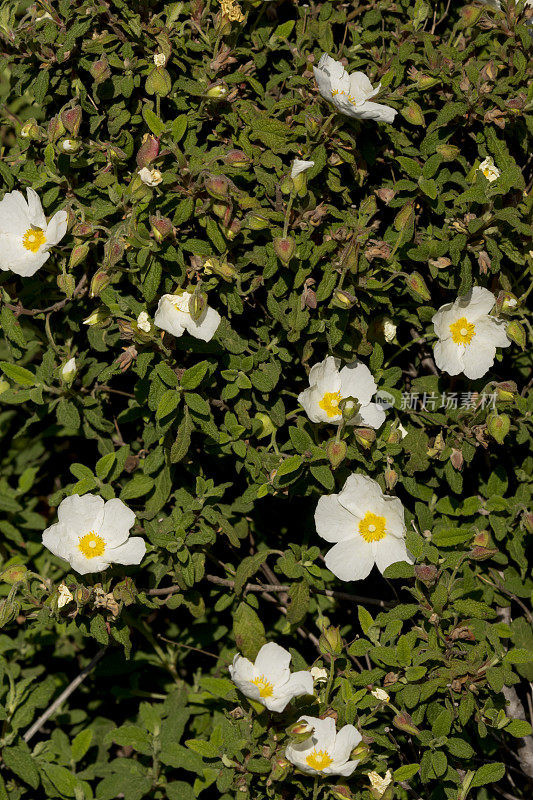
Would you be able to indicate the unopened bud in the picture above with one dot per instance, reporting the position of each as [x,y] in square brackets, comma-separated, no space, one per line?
[56,129]
[280,769]
[78,254]
[300,731]
[217,186]
[71,119]
[425,81]
[331,641]
[217,92]
[517,333]
[267,426]
[427,573]
[336,452]
[498,426]
[158,82]
[66,283]
[349,408]
[148,151]
[527,519]
[197,305]
[312,124]
[483,553]
[417,285]
[100,70]
[256,222]
[69,145]
[83,230]
[30,130]
[340,792]
[391,478]
[9,611]
[98,318]
[233,230]
[470,15]
[505,391]
[481,539]
[100,281]
[448,151]
[162,227]
[361,752]
[236,158]
[413,113]
[404,217]
[113,251]
[284,249]
[343,299]
[365,437]
[220,268]
[14,574]
[405,723]
[506,301]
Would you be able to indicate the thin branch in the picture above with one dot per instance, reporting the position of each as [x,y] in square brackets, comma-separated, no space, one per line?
[32,312]
[73,685]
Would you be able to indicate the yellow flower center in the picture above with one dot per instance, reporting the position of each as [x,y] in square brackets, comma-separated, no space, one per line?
[372,527]
[33,239]
[266,689]
[330,403]
[91,545]
[462,331]
[319,760]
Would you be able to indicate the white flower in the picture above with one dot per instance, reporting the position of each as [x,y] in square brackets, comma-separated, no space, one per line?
[325,752]
[160,59]
[380,694]
[64,595]
[468,337]
[367,527]
[389,330]
[378,784]
[91,534]
[151,177]
[69,369]
[319,675]
[173,316]
[143,322]
[402,430]
[350,93]
[25,236]
[269,680]
[489,169]
[69,145]
[300,166]
[328,386]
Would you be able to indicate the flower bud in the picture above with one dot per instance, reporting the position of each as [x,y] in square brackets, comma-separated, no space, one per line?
[71,119]
[498,426]
[267,426]
[236,158]
[30,130]
[158,82]
[506,301]
[286,185]
[233,230]
[284,249]
[299,731]
[69,145]
[330,641]
[336,452]
[113,251]
[83,229]
[470,15]
[148,151]
[527,519]
[483,553]
[391,477]
[162,227]
[14,574]
[427,573]
[98,318]
[56,129]
[481,539]
[100,70]
[66,283]
[217,186]
[425,81]
[280,769]
[217,92]
[340,792]
[448,151]
[343,299]
[78,254]
[125,591]
[404,722]
[413,113]
[365,437]
[516,332]
[100,281]
[349,408]
[506,391]
[417,285]
[404,217]
[361,753]
[255,222]
[9,611]
[197,305]
[220,268]
[69,370]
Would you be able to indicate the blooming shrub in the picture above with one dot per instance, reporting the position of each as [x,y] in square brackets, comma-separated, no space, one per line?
[211,212]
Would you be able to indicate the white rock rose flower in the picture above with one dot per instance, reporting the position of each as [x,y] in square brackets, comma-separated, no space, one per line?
[468,337]
[299,166]
[366,526]
[350,94]
[325,752]
[173,316]
[489,169]
[69,369]
[269,680]
[151,177]
[328,385]
[25,236]
[92,534]
[143,322]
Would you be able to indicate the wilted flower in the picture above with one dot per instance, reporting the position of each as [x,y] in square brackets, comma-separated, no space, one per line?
[160,59]
[468,336]
[174,316]
[92,534]
[232,11]
[389,330]
[328,386]
[25,236]
[367,527]
[325,752]
[299,166]
[269,680]
[143,322]
[378,784]
[489,169]
[350,94]
[69,370]
[150,177]
[380,694]
[64,595]
[319,674]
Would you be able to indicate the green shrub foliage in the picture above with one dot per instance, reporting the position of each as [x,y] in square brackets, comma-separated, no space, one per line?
[207,443]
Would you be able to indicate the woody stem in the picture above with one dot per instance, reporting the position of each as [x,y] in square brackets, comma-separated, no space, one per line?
[316,788]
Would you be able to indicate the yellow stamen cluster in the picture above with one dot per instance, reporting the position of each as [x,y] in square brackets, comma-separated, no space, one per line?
[462,331]
[91,545]
[350,98]
[372,527]
[266,689]
[232,10]
[330,403]
[33,239]
[319,760]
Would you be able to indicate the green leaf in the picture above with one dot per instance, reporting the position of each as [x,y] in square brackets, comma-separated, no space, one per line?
[137,487]
[488,773]
[156,125]
[299,606]
[168,403]
[406,772]
[248,630]
[81,743]
[20,375]
[193,376]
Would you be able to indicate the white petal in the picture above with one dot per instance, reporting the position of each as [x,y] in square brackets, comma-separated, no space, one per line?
[347,738]
[116,523]
[297,753]
[169,318]
[56,539]
[443,319]
[205,327]
[478,302]
[131,552]
[273,662]
[478,358]
[333,522]
[325,375]
[299,683]
[324,734]
[372,415]
[361,494]
[369,110]
[449,356]
[360,87]
[79,515]
[345,769]
[57,228]
[242,671]
[351,560]
[299,166]
[309,400]
[492,331]
[389,551]
[85,566]
[357,381]
[14,214]
[393,511]
[35,209]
